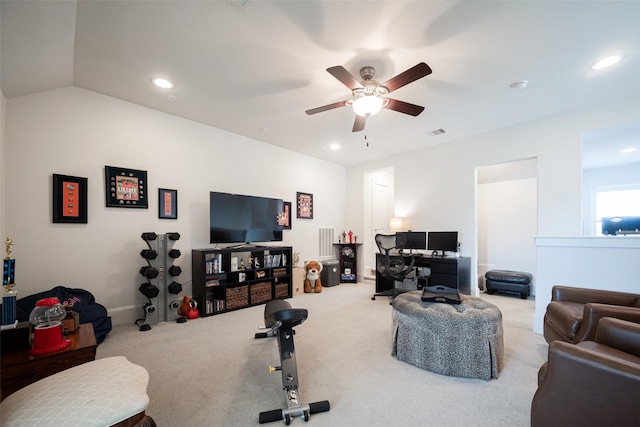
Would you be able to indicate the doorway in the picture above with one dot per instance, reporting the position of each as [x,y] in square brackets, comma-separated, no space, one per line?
[379,208]
[507,217]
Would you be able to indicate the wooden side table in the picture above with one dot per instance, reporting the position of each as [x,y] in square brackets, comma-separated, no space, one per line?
[21,368]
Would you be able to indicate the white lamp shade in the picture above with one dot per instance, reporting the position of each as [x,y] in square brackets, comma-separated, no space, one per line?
[395,224]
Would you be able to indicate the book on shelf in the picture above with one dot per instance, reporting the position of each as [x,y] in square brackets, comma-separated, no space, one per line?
[276,261]
[213,265]
[212,282]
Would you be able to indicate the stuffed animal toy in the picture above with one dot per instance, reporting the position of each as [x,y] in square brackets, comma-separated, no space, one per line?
[313,269]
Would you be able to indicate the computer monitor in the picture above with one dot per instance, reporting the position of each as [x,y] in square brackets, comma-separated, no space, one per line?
[445,241]
[415,239]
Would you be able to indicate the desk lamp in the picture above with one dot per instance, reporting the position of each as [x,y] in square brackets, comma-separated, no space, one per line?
[47,332]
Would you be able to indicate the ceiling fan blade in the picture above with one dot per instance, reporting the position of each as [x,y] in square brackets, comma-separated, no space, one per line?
[340,73]
[326,107]
[358,125]
[404,107]
[411,75]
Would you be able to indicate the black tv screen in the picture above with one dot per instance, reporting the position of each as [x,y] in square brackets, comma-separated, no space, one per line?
[443,241]
[236,218]
[415,239]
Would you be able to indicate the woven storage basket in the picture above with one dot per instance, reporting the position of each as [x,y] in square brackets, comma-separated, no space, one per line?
[237,297]
[260,292]
[279,272]
[282,290]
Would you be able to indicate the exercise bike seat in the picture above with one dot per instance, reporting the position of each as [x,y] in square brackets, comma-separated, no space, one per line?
[280,310]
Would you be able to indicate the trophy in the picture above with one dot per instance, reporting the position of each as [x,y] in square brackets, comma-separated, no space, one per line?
[8,283]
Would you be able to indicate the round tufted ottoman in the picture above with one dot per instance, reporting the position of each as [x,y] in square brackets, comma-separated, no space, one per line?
[459,340]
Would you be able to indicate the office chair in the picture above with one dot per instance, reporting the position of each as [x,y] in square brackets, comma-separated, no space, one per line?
[392,265]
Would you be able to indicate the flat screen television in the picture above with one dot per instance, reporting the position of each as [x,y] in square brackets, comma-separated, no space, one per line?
[445,241]
[415,239]
[236,218]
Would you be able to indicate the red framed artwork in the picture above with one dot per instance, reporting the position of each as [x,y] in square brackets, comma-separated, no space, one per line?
[126,188]
[305,205]
[69,199]
[167,203]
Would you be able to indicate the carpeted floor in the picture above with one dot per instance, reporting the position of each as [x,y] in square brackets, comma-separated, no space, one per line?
[212,372]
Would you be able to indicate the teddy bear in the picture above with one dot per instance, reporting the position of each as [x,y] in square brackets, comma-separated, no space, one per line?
[313,269]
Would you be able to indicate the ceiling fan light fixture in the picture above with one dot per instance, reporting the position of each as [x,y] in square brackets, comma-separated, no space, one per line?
[368,105]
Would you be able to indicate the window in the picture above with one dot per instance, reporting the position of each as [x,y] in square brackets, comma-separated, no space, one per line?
[620,201]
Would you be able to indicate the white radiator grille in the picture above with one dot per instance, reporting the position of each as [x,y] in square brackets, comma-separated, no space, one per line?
[326,243]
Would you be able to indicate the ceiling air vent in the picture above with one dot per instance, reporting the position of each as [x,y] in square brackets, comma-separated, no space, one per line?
[436,132]
[242,4]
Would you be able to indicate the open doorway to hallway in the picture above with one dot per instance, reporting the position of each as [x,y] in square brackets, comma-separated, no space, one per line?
[379,208]
[507,217]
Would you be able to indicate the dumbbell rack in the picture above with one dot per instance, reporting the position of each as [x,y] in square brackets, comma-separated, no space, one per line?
[160,288]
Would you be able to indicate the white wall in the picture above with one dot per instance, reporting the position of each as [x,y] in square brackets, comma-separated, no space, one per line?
[609,263]
[76,132]
[437,185]
[506,226]
[3,108]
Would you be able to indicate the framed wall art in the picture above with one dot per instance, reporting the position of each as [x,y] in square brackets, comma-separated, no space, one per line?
[305,205]
[69,199]
[126,188]
[286,216]
[167,203]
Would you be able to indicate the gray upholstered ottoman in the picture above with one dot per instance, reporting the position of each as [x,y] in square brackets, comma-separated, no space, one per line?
[459,340]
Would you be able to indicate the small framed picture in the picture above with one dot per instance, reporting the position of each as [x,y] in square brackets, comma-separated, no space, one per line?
[167,203]
[126,188]
[286,216]
[69,199]
[305,205]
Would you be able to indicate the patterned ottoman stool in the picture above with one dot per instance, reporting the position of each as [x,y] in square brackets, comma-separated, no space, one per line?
[459,340]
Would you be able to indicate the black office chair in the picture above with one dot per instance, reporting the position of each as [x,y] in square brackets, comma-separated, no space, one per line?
[392,265]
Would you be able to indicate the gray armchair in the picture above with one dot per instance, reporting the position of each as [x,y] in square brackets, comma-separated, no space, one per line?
[593,383]
[573,313]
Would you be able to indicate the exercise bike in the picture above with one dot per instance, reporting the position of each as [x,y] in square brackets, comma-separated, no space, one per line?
[280,319]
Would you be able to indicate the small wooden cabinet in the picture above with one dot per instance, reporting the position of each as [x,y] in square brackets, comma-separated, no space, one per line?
[348,258]
[235,278]
[22,368]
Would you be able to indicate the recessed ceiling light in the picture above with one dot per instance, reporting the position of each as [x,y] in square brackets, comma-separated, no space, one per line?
[628,150]
[335,146]
[607,62]
[163,83]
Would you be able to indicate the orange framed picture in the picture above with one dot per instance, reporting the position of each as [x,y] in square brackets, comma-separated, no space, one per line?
[69,199]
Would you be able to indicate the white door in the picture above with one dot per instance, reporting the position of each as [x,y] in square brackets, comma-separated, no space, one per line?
[381,209]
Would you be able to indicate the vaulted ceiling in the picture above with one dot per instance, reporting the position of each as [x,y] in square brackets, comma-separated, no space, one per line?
[254,67]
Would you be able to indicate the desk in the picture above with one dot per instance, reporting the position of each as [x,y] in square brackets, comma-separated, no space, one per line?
[447,271]
[21,368]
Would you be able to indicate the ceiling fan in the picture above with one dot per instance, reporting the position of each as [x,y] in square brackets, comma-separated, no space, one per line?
[369,95]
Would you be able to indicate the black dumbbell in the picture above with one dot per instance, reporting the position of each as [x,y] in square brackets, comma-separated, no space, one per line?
[173,236]
[149,254]
[149,290]
[149,272]
[174,288]
[175,253]
[175,270]
[149,236]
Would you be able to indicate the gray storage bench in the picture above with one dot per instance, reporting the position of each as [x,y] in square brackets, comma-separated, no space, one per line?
[508,281]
